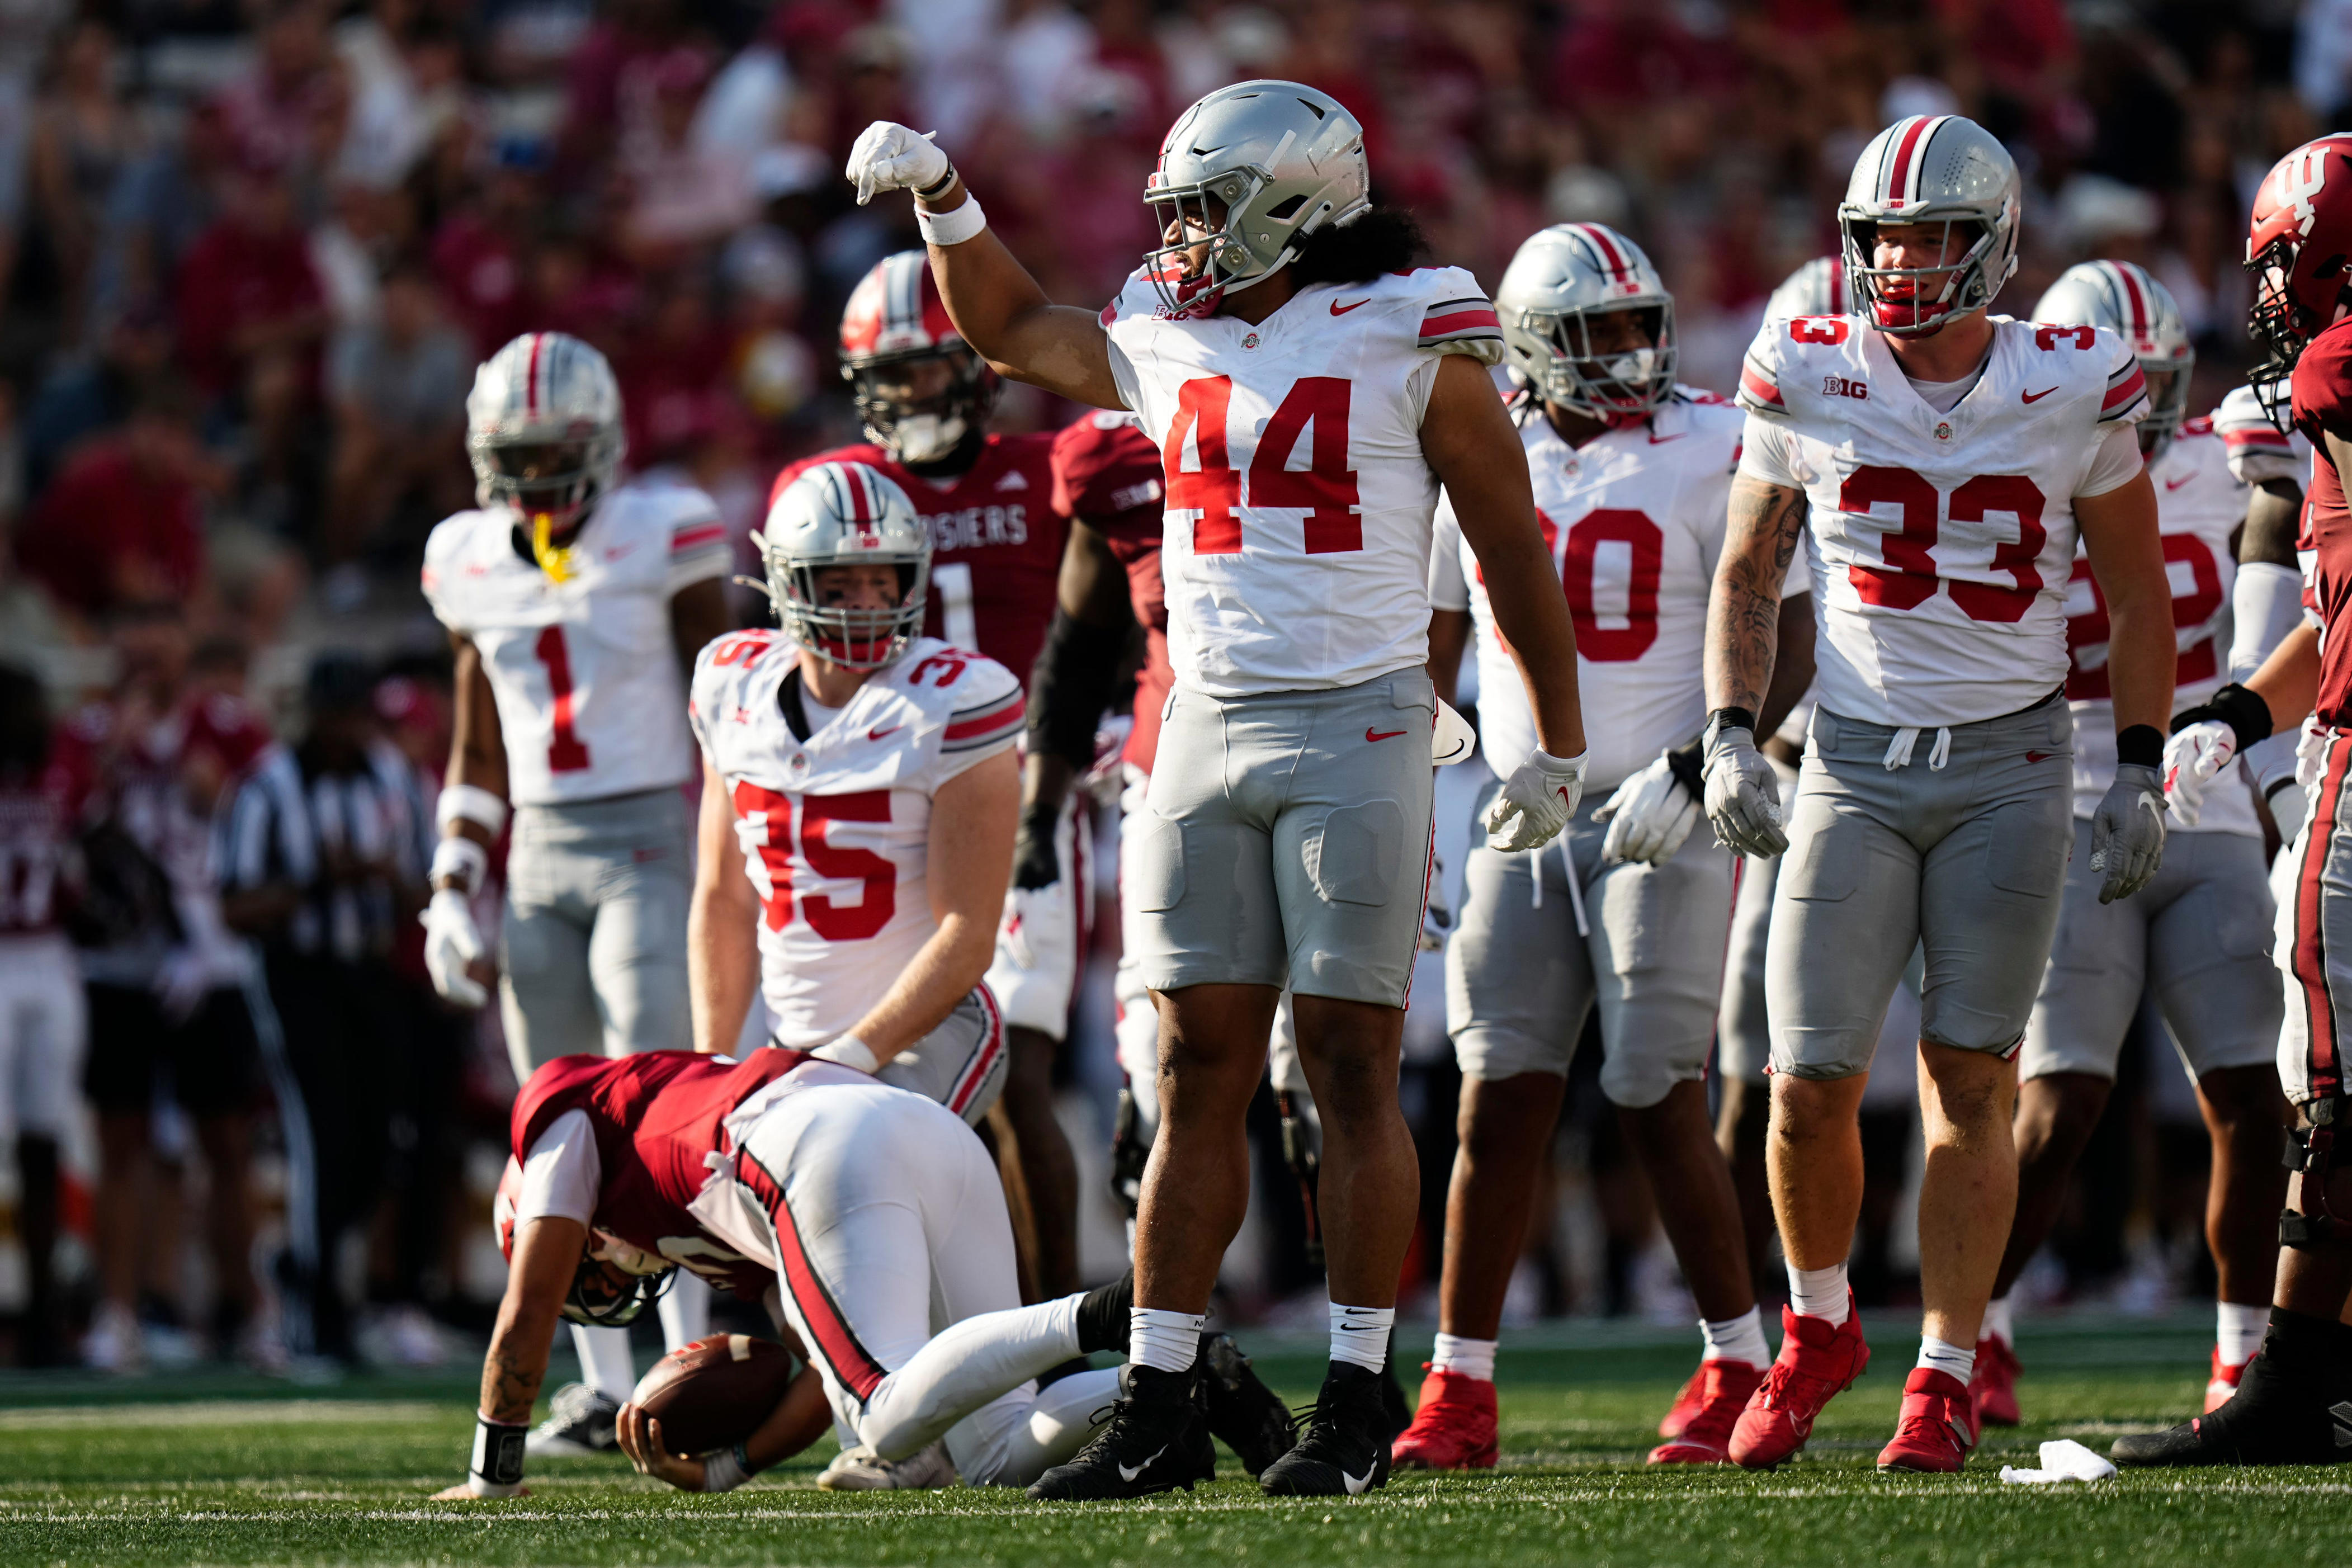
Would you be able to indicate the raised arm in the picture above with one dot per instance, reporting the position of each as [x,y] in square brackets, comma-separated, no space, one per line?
[994,303]
[1069,692]
[722,945]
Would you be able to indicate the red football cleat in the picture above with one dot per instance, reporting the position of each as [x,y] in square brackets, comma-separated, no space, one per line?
[2222,1385]
[1723,1387]
[1936,1427]
[1687,1399]
[1816,1360]
[1453,1430]
[1992,1390]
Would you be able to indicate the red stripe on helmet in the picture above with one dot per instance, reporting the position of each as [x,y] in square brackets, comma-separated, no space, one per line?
[861,507]
[2138,304]
[1610,257]
[1903,169]
[531,376]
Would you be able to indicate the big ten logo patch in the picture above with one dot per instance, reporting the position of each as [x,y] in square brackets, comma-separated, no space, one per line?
[1844,386]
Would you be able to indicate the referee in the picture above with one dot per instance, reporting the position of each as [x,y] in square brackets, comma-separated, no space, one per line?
[320,863]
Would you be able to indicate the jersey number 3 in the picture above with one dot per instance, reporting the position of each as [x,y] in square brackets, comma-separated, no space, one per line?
[1327,487]
[878,877]
[1909,579]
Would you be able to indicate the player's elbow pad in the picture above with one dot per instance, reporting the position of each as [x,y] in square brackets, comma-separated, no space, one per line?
[1070,687]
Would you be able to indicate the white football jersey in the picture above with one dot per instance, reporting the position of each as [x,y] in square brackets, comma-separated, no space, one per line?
[836,829]
[591,702]
[1636,521]
[1941,542]
[2199,505]
[2259,452]
[1298,502]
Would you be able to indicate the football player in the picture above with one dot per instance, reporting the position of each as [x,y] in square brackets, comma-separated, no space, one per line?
[864,1216]
[2290,1402]
[1950,459]
[575,603]
[1309,391]
[2198,934]
[996,543]
[1631,472]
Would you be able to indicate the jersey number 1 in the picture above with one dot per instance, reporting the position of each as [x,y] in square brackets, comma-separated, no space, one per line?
[1327,487]
[566,753]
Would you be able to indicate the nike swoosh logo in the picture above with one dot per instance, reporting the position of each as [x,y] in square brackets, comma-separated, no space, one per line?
[1661,440]
[1371,734]
[1128,1476]
[2176,484]
[1355,1484]
[1339,309]
[879,734]
[2037,396]
[2039,756]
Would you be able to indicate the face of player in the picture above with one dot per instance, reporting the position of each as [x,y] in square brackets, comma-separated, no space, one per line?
[874,587]
[1194,221]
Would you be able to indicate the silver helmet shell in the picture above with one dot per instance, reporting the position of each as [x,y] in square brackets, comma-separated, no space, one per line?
[1246,173]
[845,514]
[1817,288]
[1931,169]
[543,429]
[1563,277]
[2120,297]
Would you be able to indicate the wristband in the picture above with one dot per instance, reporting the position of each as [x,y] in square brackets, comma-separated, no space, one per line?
[1690,772]
[951,227]
[849,1051]
[727,1469]
[461,860]
[2248,716]
[469,802]
[2140,746]
[933,192]
[1724,718]
[496,1469]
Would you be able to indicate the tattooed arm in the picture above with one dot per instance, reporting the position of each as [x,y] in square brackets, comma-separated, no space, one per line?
[1743,613]
[547,1253]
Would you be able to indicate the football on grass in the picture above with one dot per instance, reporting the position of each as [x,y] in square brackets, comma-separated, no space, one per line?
[714,1392]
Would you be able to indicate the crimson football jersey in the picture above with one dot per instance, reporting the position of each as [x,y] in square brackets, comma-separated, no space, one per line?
[1106,473]
[159,783]
[656,1115]
[2323,402]
[996,543]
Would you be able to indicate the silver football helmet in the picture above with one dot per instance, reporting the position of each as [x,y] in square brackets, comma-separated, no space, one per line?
[1815,289]
[2120,297]
[1246,173]
[1562,279]
[843,514]
[1930,168]
[543,430]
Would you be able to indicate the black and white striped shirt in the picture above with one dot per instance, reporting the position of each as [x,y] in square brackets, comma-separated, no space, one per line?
[289,821]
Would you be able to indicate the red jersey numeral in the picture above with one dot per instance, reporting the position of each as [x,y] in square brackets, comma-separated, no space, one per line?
[2047,338]
[1646,544]
[1909,577]
[1818,329]
[2191,612]
[566,753]
[950,668]
[743,648]
[878,877]
[1327,487]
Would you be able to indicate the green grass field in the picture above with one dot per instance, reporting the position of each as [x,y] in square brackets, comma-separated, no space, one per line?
[230,1470]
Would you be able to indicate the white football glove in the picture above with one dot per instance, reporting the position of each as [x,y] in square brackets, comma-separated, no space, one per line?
[1650,816]
[453,941]
[2128,831]
[887,157]
[1535,802]
[1743,794]
[2192,758]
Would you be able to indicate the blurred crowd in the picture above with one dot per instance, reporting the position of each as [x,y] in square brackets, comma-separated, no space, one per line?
[250,251]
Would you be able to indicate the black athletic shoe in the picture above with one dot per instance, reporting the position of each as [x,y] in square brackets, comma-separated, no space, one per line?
[1392,1404]
[1154,1441]
[1103,1314]
[1241,1410]
[2291,1408]
[1346,1448]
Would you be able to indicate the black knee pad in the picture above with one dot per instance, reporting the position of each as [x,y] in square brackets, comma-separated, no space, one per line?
[2313,1149]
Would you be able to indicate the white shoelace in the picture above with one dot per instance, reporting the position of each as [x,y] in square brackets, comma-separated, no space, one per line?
[1575,889]
[1899,750]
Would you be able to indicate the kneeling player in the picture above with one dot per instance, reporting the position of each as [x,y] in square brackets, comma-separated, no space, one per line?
[2199,933]
[1631,475]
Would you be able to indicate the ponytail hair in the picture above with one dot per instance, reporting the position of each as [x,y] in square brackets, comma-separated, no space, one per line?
[1384,239]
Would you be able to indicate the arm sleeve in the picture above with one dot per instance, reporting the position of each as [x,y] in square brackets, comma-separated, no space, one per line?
[1765,452]
[1448,588]
[563,1171]
[2117,461]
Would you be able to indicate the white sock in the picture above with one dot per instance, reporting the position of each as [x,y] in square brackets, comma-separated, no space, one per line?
[1998,1322]
[1162,1339]
[1361,1334]
[684,1310]
[1957,1360]
[2239,1331]
[1737,1338]
[1819,1293]
[1465,1357]
[605,1362]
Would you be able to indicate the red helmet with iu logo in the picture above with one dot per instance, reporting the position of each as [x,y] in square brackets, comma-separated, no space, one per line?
[920,390]
[2298,244]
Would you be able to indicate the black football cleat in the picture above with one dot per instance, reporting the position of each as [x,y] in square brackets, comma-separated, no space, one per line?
[1240,1410]
[1154,1441]
[1345,1451]
[2291,1408]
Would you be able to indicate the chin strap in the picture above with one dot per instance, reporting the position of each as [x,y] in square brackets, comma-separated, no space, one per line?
[553,559]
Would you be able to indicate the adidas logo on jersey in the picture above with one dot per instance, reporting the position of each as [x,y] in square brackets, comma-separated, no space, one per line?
[1012,482]
[1840,386]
